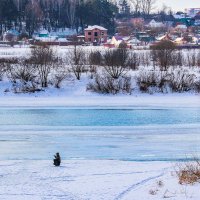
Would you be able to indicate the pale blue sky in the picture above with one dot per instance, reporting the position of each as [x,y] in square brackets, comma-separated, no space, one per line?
[179,4]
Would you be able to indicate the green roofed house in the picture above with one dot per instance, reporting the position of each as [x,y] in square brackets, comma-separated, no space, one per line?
[43,33]
[183,18]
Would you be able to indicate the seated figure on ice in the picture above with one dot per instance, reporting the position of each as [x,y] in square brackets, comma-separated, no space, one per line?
[57,160]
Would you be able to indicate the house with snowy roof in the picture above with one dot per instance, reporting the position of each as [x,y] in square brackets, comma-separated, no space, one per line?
[96,34]
[154,24]
[165,37]
[181,27]
[180,41]
[116,40]
[11,35]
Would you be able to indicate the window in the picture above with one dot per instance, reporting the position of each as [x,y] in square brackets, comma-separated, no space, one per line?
[95,34]
[102,33]
[89,33]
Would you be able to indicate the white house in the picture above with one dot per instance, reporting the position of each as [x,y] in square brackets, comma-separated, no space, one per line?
[181,27]
[134,41]
[154,24]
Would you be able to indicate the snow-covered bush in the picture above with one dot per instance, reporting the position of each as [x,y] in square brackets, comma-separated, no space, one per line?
[60,74]
[176,80]
[108,85]
[152,80]
[23,77]
[193,58]
[5,64]
[181,80]
[2,70]
[197,86]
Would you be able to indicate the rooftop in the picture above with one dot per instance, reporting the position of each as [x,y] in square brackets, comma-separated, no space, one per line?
[90,28]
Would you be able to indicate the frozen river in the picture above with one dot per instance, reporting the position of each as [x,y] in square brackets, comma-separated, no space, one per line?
[99,133]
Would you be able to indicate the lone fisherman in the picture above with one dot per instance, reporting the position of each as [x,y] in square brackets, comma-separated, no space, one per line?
[57,160]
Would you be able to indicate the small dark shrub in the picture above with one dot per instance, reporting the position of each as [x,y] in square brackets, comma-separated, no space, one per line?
[197,86]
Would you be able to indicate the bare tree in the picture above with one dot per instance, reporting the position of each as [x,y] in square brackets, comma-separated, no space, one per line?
[60,74]
[2,68]
[71,12]
[162,54]
[137,5]
[34,16]
[95,59]
[116,62]
[44,60]
[78,59]
[147,6]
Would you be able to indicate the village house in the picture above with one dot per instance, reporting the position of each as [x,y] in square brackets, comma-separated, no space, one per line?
[197,19]
[155,24]
[114,42]
[11,35]
[128,41]
[96,34]
[180,41]
[181,28]
[165,37]
[193,11]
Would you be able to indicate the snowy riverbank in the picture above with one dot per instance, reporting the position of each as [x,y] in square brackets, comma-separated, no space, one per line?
[92,180]
[143,100]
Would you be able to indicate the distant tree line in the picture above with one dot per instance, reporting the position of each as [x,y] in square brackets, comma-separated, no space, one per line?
[143,8]
[30,15]
[137,7]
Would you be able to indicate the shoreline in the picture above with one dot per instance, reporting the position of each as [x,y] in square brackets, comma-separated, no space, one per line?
[162,101]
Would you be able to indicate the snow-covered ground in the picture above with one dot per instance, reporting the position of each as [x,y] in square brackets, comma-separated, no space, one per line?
[92,180]
[73,92]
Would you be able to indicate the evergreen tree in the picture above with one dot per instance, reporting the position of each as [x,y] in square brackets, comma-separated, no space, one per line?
[124,8]
[8,14]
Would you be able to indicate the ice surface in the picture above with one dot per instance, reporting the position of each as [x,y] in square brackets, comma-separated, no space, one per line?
[122,134]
